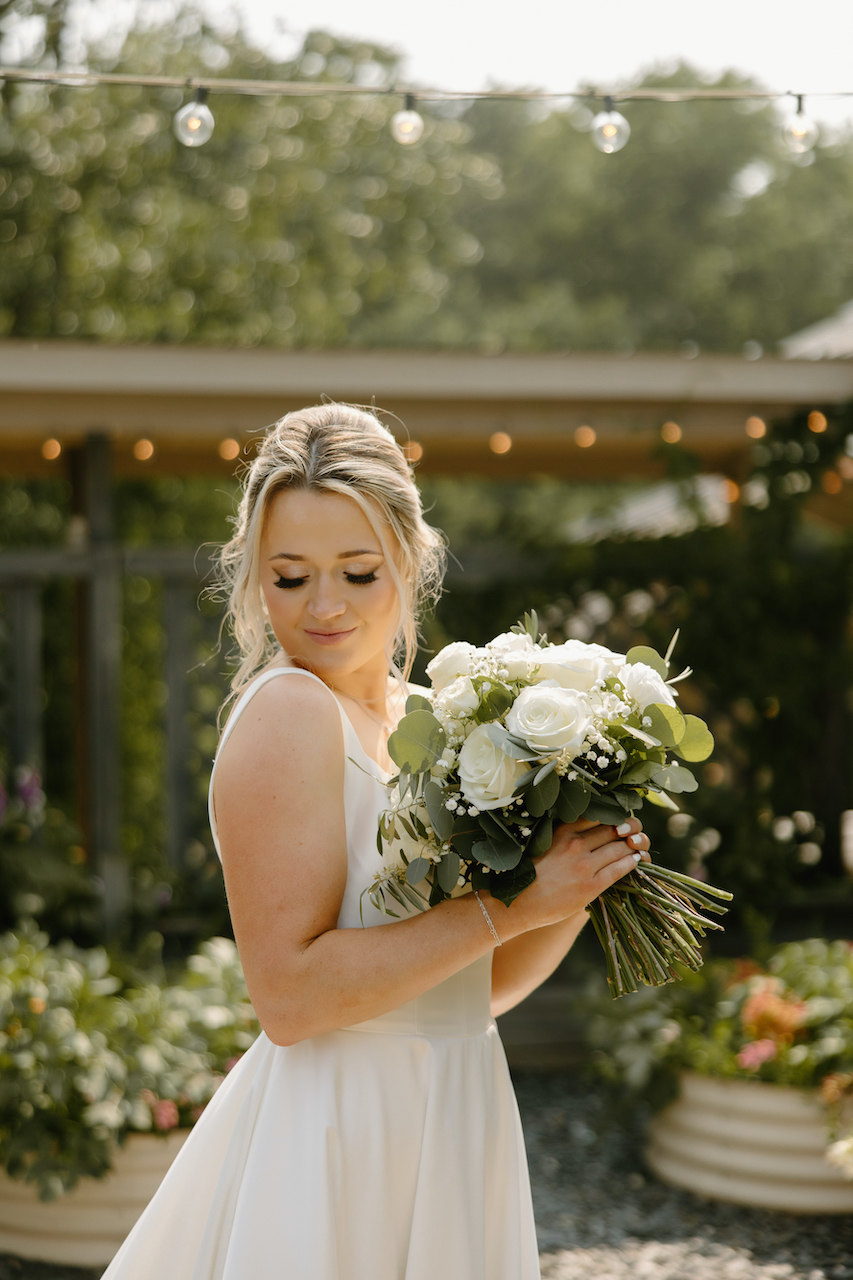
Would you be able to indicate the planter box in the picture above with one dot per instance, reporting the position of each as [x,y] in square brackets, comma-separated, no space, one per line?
[85,1227]
[750,1143]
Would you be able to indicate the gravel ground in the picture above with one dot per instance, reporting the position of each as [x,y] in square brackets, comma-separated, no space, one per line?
[600,1217]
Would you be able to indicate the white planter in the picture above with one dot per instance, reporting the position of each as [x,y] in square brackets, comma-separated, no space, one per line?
[750,1143]
[85,1227]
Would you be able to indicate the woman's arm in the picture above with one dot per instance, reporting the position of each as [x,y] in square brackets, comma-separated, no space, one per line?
[280,818]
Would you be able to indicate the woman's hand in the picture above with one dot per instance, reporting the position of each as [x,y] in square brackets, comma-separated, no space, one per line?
[584,859]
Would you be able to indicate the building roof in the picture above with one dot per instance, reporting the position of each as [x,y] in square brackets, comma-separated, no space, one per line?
[579,415]
[829,339]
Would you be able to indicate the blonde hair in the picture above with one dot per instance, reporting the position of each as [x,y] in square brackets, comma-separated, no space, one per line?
[341,449]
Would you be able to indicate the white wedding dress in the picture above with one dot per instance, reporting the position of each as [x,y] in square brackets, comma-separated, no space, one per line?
[388,1150]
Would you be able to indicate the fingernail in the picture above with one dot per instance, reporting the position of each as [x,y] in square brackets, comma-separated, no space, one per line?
[636,840]
[636,856]
[623,829]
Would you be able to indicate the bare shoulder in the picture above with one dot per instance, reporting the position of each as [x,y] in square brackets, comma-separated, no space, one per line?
[293,714]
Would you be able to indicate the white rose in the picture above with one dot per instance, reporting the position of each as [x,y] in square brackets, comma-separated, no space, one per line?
[549,718]
[451,661]
[517,654]
[458,699]
[487,776]
[645,686]
[574,665]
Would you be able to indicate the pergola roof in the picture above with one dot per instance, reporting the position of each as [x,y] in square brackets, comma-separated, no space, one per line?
[187,400]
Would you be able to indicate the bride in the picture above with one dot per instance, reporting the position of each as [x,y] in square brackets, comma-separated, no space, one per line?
[371,1132]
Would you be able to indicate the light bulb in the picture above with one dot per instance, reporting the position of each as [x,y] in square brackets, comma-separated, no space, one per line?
[609,129]
[800,133]
[407,126]
[194,122]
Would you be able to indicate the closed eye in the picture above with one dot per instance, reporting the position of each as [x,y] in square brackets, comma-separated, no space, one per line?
[360,579]
[286,583]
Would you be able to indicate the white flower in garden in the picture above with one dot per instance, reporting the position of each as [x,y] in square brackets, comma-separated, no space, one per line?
[457,699]
[453,660]
[645,686]
[550,718]
[574,665]
[487,776]
[518,654]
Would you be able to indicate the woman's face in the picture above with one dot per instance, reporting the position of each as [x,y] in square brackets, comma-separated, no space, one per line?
[330,594]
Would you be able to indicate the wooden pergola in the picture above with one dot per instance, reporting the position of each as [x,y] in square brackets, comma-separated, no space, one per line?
[187,402]
[94,411]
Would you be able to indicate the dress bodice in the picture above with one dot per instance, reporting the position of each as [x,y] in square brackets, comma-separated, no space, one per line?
[457,1006]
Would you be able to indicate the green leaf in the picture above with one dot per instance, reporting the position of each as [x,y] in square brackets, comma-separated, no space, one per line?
[505,742]
[651,657]
[667,723]
[417,869]
[499,857]
[572,801]
[697,742]
[675,778]
[417,702]
[495,702]
[542,796]
[440,817]
[447,871]
[540,841]
[605,809]
[641,771]
[417,742]
[508,886]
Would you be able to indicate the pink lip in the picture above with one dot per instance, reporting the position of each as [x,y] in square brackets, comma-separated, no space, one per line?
[329,637]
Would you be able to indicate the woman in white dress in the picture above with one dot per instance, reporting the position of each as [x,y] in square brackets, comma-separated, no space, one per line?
[371,1132]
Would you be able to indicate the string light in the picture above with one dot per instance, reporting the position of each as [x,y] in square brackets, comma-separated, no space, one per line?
[671,432]
[407,126]
[584,437]
[609,129]
[800,133]
[50,450]
[817,422]
[194,123]
[500,442]
[143,450]
[413,450]
[229,449]
[755,428]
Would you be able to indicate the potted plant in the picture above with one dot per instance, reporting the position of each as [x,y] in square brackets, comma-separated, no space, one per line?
[762,1060]
[101,1080]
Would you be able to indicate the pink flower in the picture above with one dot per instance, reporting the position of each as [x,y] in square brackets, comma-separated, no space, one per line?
[165,1113]
[753,1054]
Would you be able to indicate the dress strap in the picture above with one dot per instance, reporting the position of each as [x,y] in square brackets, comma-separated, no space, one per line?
[239,707]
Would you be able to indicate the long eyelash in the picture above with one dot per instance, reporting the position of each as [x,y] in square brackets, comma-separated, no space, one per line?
[288,582]
[361,579]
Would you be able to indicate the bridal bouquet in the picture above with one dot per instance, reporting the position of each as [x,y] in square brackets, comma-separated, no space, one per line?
[519,735]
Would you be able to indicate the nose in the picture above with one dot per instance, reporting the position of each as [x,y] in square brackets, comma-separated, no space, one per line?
[325,601]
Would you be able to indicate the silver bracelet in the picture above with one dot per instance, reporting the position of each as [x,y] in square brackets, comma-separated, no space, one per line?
[488,919]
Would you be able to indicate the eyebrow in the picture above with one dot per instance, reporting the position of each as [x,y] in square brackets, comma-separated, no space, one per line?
[344,555]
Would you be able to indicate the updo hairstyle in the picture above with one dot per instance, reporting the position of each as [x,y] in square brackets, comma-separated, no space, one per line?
[341,449]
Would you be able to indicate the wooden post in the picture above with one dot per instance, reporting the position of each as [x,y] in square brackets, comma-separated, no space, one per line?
[26,691]
[177,735]
[100,669]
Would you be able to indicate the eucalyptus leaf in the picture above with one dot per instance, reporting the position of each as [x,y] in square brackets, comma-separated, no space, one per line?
[447,871]
[667,723]
[651,657]
[493,827]
[506,743]
[572,801]
[606,810]
[417,869]
[417,742]
[498,857]
[697,742]
[417,702]
[526,780]
[542,796]
[675,778]
[540,841]
[440,817]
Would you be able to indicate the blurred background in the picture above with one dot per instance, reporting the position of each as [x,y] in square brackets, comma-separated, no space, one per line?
[625,380]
